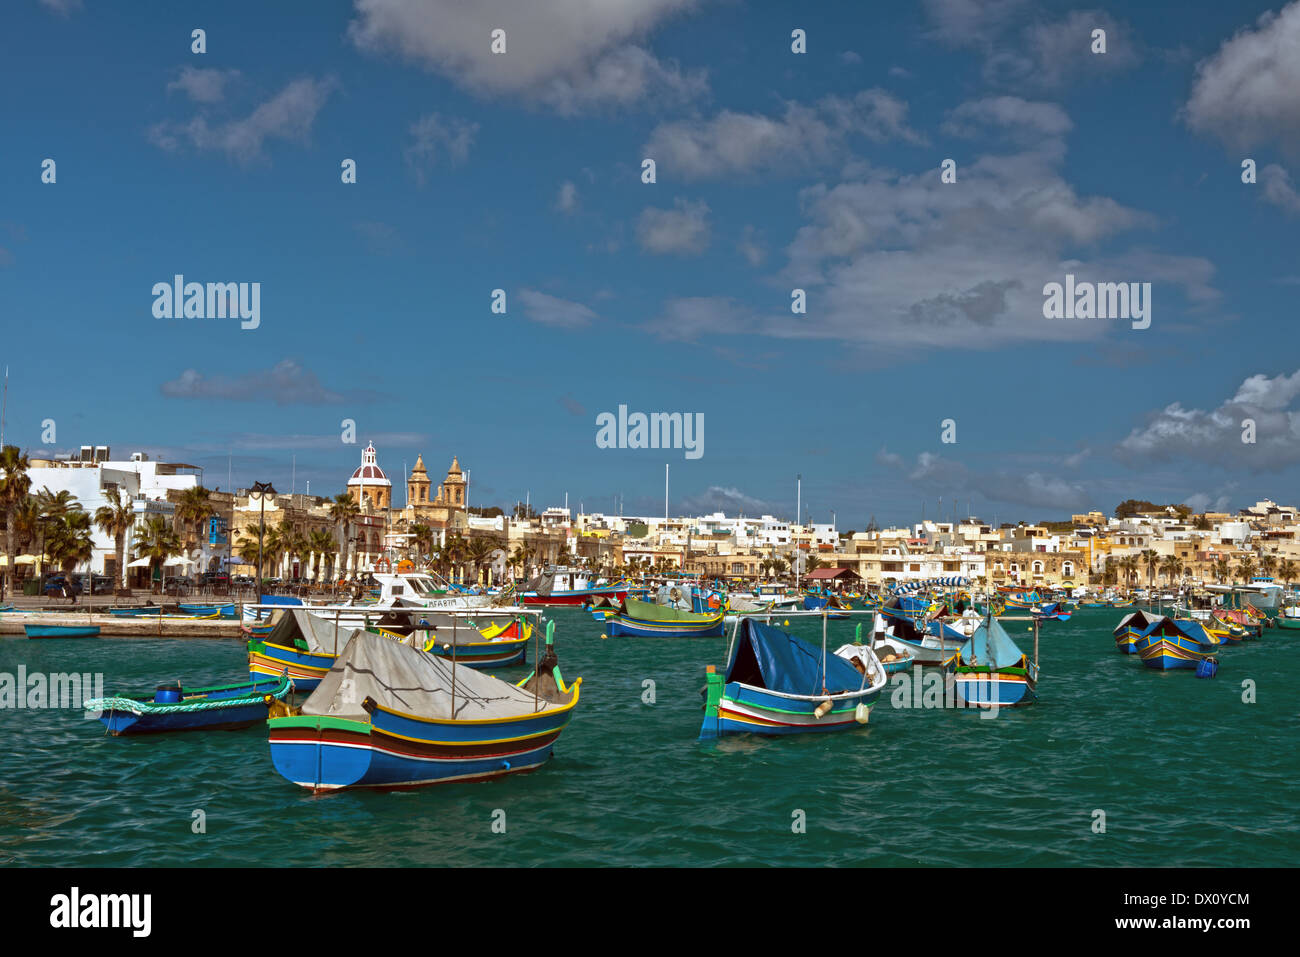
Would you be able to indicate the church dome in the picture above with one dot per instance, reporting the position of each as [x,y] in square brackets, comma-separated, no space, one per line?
[369,472]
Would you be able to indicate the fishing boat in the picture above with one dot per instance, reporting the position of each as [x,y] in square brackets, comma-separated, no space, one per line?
[1130,628]
[892,662]
[1168,644]
[642,619]
[390,716]
[498,645]
[816,601]
[61,631]
[776,683]
[990,670]
[898,633]
[175,708]
[1288,618]
[1248,624]
[602,606]
[300,644]
[560,585]
[209,611]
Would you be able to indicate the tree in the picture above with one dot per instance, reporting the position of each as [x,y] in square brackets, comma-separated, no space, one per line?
[192,511]
[1246,569]
[522,557]
[1287,570]
[69,542]
[54,505]
[1267,563]
[422,538]
[14,487]
[116,519]
[812,563]
[1152,559]
[343,510]
[156,540]
[320,543]
[1221,570]
[1171,566]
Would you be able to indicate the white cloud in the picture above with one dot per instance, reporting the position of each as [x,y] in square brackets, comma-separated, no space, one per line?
[286,383]
[1279,189]
[552,311]
[1035,489]
[1008,112]
[203,86]
[683,230]
[63,8]
[566,201]
[750,247]
[1245,94]
[568,54]
[1214,436]
[803,136]
[288,115]
[433,138]
[726,498]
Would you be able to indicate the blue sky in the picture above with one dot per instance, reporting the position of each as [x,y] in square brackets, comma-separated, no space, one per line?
[775,170]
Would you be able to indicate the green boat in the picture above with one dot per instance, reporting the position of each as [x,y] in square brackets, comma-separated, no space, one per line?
[1289,624]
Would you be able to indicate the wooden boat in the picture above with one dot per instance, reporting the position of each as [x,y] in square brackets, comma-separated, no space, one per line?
[645,620]
[899,634]
[1130,628]
[568,586]
[498,645]
[1250,626]
[816,602]
[776,683]
[174,708]
[1168,644]
[61,631]
[300,644]
[390,716]
[1287,623]
[991,670]
[226,610]
[892,662]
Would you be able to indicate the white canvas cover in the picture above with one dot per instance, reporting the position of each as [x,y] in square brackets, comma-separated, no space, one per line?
[322,636]
[406,679]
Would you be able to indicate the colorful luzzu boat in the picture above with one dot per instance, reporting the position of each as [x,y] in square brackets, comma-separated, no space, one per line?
[301,644]
[642,619]
[1248,625]
[991,671]
[390,716]
[1130,628]
[499,645]
[209,611]
[774,684]
[1168,644]
[173,708]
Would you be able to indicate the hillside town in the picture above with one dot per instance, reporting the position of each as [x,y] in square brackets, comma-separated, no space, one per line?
[137,522]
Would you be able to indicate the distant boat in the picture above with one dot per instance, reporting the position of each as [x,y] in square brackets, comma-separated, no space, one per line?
[1130,628]
[61,631]
[390,716]
[642,619]
[205,611]
[776,683]
[1169,644]
[893,663]
[568,586]
[498,645]
[173,708]
[990,669]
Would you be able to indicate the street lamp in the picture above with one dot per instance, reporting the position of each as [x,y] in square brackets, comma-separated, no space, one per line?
[262,489]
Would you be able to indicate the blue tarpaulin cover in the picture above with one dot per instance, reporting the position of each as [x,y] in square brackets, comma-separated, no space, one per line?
[786,663]
[991,646]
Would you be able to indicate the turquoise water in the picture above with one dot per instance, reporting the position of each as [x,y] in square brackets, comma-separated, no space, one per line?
[1185,771]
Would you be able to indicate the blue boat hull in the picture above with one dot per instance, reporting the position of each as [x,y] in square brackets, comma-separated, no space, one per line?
[61,631]
[621,626]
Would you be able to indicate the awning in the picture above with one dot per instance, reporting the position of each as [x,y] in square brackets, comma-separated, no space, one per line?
[19,560]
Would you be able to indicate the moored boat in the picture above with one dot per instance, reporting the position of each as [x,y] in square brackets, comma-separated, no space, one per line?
[775,683]
[174,708]
[990,670]
[642,619]
[1130,628]
[390,716]
[61,631]
[301,644]
[1169,644]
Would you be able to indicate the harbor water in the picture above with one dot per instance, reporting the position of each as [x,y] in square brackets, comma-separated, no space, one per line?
[1114,765]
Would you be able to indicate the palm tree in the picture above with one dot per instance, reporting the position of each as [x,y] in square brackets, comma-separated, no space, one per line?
[246,548]
[812,564]
[343,509]
[1287,570]
[1246,569]
[192,510]
[14,487]
[156,540]
[69,544]
[477,551]
[1221,570]
[320,543]
[1267,563]
[1171,566]
[522,556]
[116,519]
[1152,559]
[452,554]
[55,504]
[422,539]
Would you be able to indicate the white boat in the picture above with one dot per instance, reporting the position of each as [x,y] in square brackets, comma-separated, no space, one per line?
[901,637]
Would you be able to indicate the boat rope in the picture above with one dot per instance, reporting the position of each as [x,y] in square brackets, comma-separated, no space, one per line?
[134,706]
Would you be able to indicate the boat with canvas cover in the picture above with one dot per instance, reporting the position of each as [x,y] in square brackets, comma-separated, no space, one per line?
[301,644]
[499,644]
[175,708]
[990,670]
[1130,627]
[1168,644]
[645,620]
[776,683]
[390,716]
[560,585]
